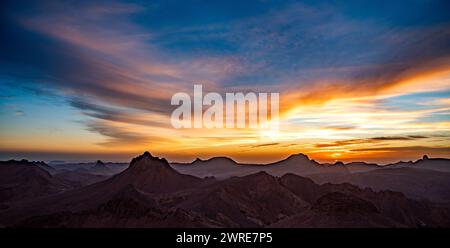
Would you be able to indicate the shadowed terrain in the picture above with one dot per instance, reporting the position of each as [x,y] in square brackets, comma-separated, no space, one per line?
[150,193]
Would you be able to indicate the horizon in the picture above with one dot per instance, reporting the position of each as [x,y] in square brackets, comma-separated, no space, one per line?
[94,80]
[93,158]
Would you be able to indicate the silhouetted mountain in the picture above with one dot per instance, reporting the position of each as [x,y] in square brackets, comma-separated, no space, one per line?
[436,164]
[299,164]
[145,173]
[152,174]
[219,167]
[223,167]
[150,193]
[100,168]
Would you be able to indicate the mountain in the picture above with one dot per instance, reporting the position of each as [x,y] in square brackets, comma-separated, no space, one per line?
[413,181]
[154,175]
[145,173]
[96,168]
[150,193]
[436,164]
[77,175]
[223,167]
[23,179]
[394,206]
[99,168]
[426,178]
[251,201]
[218,167]
[299,164]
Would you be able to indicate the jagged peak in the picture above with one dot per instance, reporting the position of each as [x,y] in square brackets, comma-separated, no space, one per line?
[145,155]
[148,156]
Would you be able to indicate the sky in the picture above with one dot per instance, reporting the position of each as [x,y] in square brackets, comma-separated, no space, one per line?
[358,80]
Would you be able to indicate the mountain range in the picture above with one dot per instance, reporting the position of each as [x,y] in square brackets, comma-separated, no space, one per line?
[295,192]
[426,178]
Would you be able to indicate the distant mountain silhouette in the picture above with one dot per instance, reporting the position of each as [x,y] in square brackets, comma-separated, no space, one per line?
[223,167]
[426,178]
[300,164]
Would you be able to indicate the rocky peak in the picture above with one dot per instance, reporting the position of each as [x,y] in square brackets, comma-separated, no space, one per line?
[147,160]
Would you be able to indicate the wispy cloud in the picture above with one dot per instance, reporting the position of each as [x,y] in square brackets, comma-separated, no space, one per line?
[343,143]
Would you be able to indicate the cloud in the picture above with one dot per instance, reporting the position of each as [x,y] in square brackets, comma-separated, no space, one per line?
[415,149]
[410,137]
[343,143]
[118,115]
[116,135]
[265,145]
[403,80]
